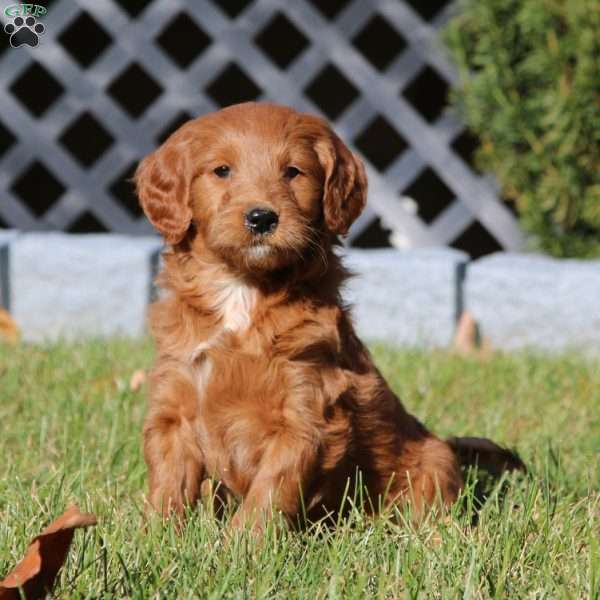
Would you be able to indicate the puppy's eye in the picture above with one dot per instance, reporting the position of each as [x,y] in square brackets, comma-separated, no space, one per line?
[222,171]
[292,172]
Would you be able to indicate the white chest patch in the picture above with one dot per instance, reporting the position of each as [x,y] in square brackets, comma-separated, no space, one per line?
[234,302]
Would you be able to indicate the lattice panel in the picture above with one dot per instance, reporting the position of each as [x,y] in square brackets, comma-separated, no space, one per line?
[110,80]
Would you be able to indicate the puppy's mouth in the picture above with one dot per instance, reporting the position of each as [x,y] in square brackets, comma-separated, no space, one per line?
[259,251]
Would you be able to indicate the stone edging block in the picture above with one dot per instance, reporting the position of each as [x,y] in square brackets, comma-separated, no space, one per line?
[532,301]
[405,298]
[64,285]
[68,286]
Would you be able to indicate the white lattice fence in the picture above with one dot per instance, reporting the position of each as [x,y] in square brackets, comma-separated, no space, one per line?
[110,80]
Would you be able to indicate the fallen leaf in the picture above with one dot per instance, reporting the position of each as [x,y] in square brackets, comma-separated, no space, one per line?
[9,332]
[46,553]
[467,338]
[138,378]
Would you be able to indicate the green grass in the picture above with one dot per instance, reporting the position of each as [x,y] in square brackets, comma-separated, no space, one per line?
[70,432]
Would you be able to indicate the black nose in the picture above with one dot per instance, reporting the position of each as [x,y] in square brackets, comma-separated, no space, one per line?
[261,220]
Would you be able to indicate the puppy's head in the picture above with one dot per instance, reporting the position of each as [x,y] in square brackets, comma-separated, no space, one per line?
[262,184]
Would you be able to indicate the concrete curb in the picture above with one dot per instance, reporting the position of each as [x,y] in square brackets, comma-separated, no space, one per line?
[408,298]
[70,286]
[531,301]
[62,285]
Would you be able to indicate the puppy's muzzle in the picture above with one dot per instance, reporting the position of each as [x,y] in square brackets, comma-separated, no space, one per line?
[261,220]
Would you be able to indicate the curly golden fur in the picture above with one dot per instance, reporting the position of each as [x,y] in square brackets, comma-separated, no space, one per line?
[260,381]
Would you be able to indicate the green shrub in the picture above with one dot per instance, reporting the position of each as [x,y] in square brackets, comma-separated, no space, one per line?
[530,89]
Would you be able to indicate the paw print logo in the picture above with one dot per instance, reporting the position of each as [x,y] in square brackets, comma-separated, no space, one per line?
[24,31]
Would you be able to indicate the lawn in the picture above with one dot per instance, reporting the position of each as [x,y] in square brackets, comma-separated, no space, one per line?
[71,433]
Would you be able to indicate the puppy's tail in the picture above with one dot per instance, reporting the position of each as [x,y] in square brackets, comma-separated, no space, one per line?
[485,454]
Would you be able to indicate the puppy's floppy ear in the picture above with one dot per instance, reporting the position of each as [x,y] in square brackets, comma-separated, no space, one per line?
[163,182]
[345,188]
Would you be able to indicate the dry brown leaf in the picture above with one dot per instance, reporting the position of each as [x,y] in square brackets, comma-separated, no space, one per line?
[46,553]
[9,332]
[138,378]
[467,341]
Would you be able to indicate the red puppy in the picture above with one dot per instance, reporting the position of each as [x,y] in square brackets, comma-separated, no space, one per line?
[260,380]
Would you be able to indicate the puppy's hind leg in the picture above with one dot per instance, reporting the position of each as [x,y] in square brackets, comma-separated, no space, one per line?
[431,476]
[174,458]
